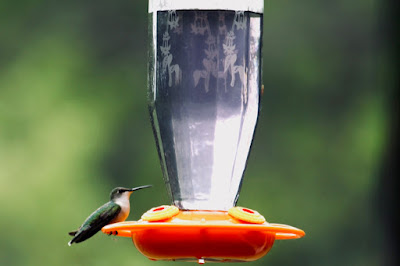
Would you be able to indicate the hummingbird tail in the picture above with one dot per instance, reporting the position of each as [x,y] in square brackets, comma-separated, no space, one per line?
[73,233]
[70,243]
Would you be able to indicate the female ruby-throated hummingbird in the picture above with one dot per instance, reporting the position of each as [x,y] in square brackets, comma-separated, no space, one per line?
[116,210]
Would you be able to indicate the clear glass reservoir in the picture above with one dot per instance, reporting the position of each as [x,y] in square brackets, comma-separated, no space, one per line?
[204,88]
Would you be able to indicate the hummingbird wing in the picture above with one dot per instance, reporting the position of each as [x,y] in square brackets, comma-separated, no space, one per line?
[99,218]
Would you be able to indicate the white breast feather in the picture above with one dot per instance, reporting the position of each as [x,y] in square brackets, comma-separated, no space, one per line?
[123,201]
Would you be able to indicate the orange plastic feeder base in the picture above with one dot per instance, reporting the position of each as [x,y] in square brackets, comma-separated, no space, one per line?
[202,236]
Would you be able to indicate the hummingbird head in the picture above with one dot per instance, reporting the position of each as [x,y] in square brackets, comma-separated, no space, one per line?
[119,192]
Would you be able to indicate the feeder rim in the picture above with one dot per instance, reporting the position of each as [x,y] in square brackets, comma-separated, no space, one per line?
[127,228]
[256,6]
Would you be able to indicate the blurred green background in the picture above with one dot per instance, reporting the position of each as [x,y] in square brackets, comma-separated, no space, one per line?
[74,124]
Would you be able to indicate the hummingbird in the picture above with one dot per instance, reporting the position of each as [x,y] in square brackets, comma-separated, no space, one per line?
[114,211]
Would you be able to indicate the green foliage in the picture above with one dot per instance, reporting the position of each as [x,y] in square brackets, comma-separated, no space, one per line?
[74,124]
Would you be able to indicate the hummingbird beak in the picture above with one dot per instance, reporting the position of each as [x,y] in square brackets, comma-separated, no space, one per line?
[137,188]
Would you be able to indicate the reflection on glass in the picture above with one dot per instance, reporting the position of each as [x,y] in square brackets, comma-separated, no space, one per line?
[204,83]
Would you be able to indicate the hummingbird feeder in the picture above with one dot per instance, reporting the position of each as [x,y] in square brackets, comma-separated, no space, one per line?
[204,96]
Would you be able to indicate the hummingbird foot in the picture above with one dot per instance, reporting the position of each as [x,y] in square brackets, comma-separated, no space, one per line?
[113,233]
